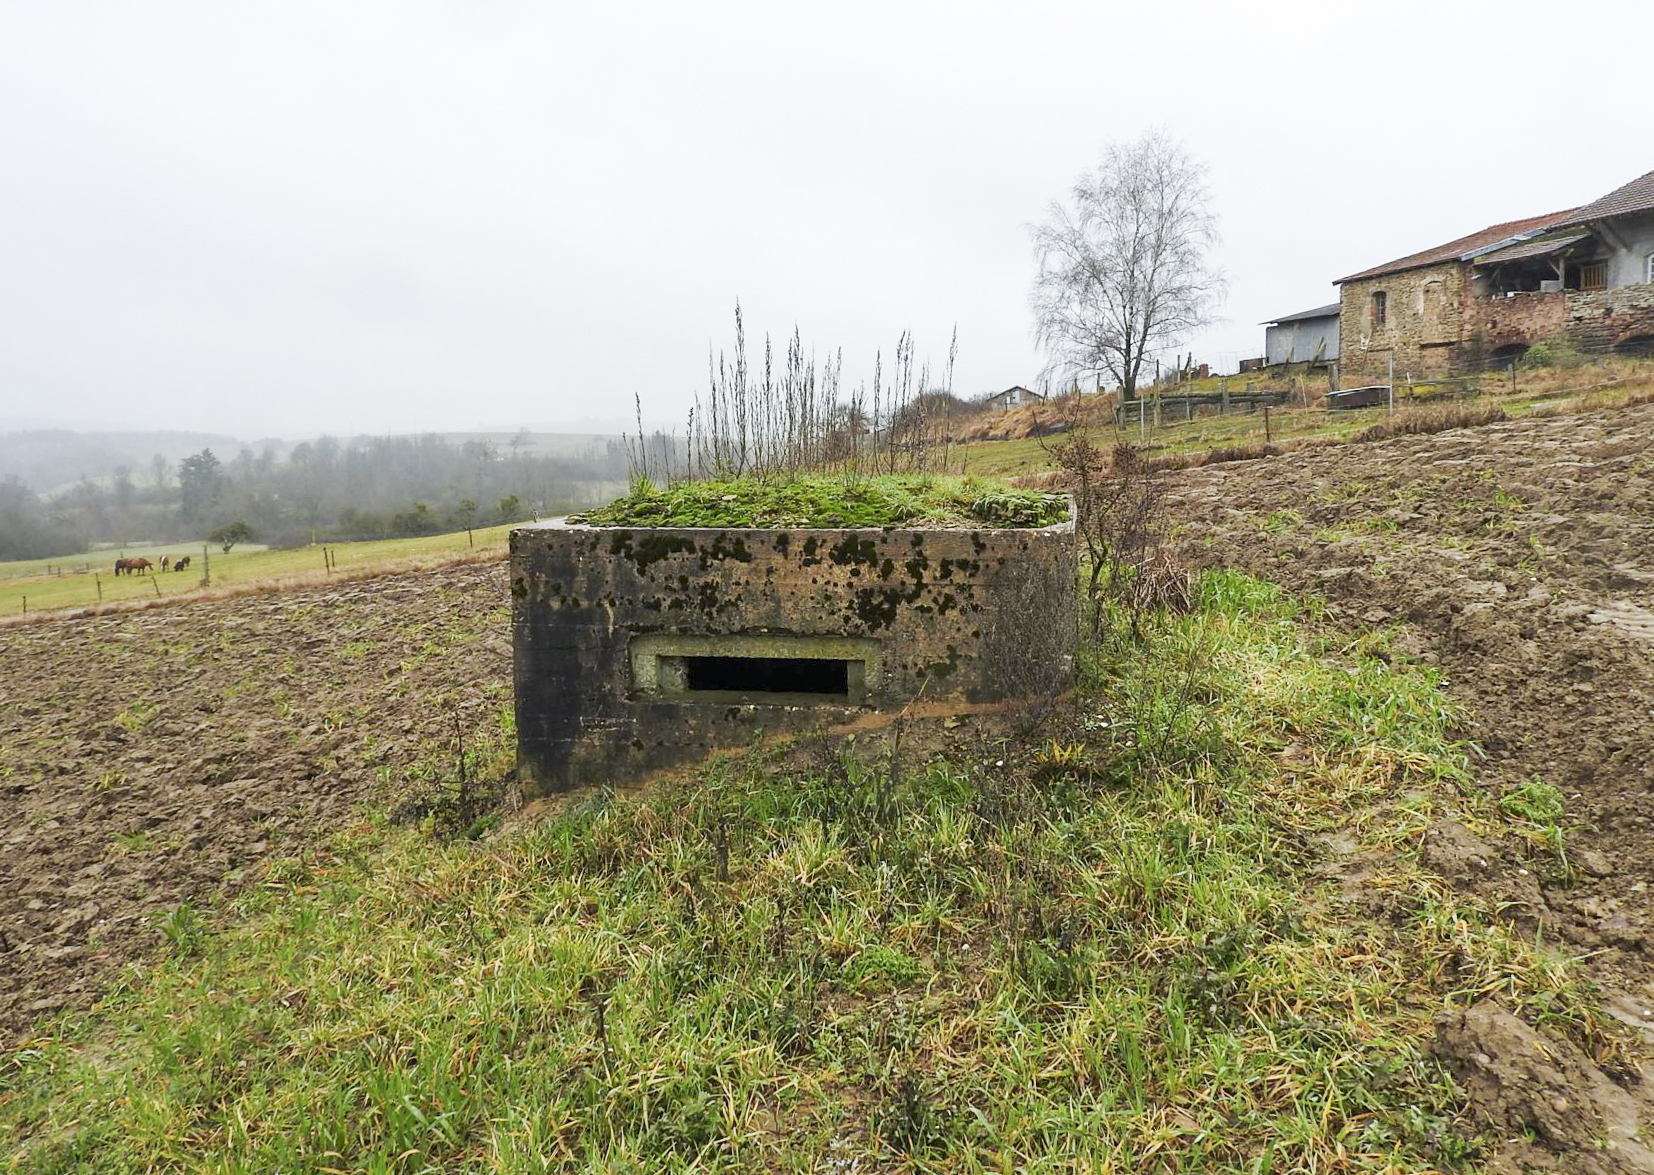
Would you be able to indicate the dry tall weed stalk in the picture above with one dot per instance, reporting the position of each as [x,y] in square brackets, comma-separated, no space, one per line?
[787,418]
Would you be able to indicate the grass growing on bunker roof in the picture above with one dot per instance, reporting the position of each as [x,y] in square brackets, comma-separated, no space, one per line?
[1115,947]
[932,501]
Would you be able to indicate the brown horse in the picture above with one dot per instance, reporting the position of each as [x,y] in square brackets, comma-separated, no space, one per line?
[165,561]
[120,566]
[137,566]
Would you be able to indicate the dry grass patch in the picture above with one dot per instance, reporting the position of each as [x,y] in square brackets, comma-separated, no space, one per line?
[1417,421]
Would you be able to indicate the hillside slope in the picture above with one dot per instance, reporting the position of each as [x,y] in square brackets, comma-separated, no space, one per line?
[1518,558]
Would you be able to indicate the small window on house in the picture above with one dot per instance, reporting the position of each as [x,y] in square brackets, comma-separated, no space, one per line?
[1380,311]
[1648,268]
[1593,275]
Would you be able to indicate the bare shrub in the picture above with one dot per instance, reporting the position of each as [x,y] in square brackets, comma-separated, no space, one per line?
[1161,583]
[1170,461]
[1119,509]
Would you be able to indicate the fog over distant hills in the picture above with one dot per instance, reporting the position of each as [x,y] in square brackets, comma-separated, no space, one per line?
[51,460]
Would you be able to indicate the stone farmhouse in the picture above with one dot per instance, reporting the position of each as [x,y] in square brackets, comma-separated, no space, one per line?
[1584,276]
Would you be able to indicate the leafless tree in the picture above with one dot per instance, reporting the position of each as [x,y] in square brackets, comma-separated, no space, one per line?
[1123,266]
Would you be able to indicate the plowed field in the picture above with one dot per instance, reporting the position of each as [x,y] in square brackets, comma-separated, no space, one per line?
[155,758]
[1519,558]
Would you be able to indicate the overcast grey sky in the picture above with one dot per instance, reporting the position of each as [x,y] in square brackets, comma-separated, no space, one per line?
[287,218]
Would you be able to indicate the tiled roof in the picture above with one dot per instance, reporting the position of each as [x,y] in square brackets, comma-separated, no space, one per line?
[1636,196]
[1318,312]
[1454,250]
[1542,246]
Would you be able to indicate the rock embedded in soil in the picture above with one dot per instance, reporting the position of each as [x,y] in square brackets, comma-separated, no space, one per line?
[1522,1081]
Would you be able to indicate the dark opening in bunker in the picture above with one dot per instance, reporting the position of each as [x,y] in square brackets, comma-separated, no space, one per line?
[768,675]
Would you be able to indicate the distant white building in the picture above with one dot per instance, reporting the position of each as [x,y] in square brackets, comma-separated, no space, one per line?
[1012,397]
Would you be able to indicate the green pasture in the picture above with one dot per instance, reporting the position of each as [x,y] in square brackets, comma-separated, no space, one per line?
[66,586]
[1175,435]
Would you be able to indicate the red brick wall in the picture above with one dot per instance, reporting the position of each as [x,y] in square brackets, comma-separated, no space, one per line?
[1520,318]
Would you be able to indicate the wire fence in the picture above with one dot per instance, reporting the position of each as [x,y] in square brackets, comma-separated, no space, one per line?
[1253,409]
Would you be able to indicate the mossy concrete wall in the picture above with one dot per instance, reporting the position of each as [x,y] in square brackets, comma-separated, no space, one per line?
[602,617]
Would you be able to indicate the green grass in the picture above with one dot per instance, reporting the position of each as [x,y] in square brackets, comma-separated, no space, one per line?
[827,501]
[1172,437]
[243,565]
[1006,458]
[1104,946]
[1536,808]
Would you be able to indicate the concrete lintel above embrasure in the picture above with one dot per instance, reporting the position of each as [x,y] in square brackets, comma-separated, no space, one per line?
[653,655]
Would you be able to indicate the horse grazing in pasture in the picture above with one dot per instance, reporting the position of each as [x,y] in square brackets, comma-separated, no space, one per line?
[138,566]
[121,565]
[181,564]
[165,560]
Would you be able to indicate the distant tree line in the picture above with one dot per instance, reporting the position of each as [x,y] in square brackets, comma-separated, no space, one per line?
[324,490]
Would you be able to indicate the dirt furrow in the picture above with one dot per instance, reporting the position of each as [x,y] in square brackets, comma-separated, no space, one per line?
[155,758]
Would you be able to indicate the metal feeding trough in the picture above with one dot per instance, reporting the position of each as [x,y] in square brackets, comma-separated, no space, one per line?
[640,648]
[1367,397]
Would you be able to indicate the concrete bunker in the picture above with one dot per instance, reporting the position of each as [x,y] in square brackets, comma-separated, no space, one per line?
[639,648]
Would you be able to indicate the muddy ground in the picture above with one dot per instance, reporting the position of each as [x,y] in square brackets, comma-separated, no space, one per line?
[153,758]
[1519,558]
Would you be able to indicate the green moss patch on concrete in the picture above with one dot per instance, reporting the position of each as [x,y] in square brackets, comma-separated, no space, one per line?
[933,502]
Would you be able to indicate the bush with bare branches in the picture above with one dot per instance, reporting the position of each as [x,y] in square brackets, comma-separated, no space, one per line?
[1119,508]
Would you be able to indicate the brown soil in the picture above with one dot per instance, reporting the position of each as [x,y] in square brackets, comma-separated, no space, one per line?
[152,758]
[159,757]
[1519,558]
